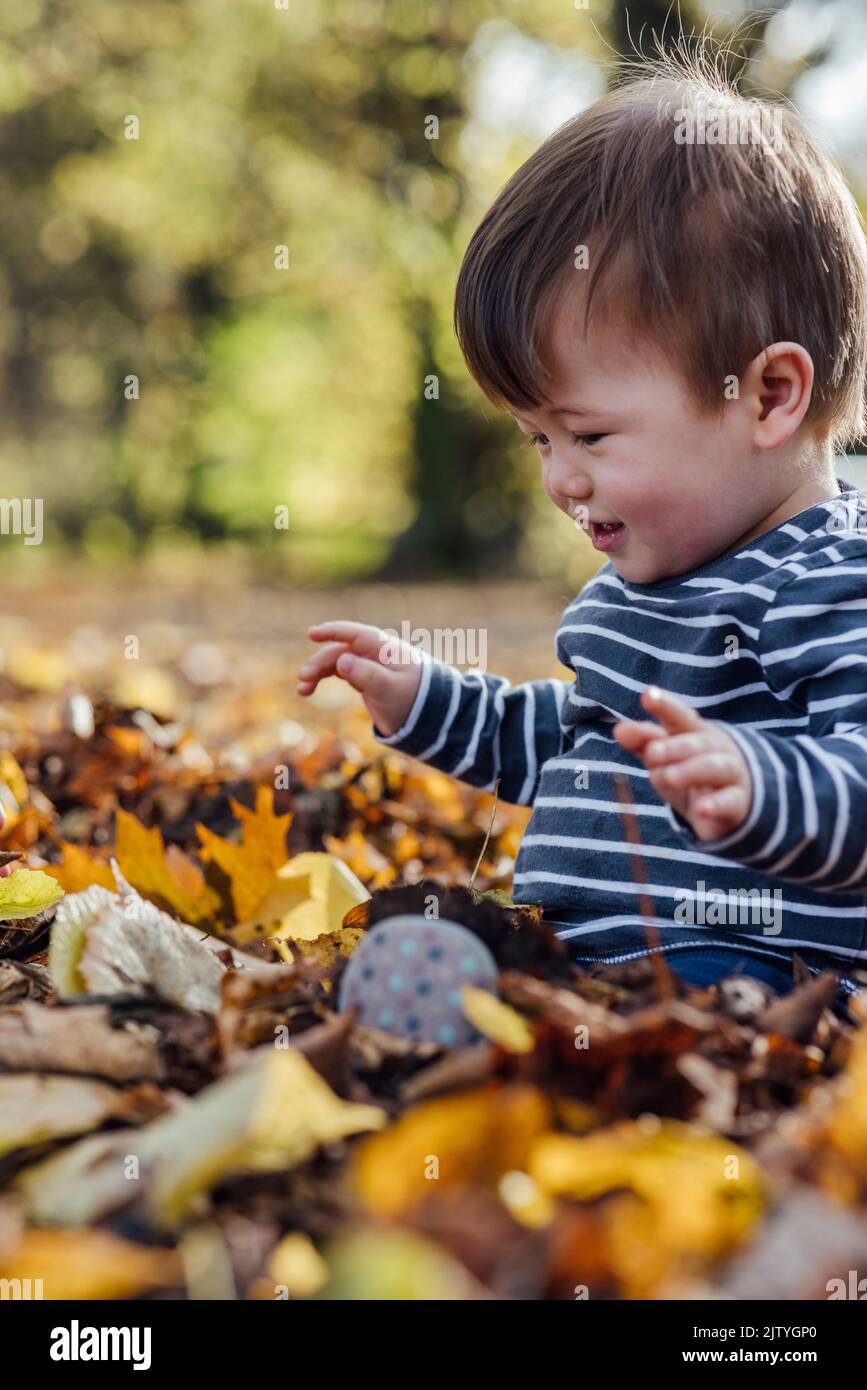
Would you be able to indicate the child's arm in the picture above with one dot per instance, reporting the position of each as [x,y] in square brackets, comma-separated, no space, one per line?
[474,726]
[804,817]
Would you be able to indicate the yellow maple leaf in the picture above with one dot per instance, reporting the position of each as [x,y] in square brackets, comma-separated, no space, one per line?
[143,860]
[79,869]
[310,895]
[251,866]
[26,892]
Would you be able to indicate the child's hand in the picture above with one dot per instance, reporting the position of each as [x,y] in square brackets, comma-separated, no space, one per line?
[385,671]
[699,769]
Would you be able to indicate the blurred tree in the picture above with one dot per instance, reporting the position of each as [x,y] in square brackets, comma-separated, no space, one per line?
[228,261]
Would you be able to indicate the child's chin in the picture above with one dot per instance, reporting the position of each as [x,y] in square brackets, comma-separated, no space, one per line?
[636,573]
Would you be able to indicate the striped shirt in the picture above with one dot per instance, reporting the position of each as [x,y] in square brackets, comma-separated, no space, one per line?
[769,642]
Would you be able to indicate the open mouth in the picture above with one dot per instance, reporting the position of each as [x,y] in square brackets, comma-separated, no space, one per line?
[605,534]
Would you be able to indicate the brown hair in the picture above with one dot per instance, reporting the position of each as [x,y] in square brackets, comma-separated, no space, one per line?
[713,250]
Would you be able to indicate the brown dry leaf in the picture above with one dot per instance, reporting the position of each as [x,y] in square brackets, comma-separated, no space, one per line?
[269,1116]
[475,1136]
[79,1040]
[88,1265]
[252,865]
[142,857]
[35,1108]
[78,869]
[323,951]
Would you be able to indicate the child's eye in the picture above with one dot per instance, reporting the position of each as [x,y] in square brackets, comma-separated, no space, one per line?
[582,439]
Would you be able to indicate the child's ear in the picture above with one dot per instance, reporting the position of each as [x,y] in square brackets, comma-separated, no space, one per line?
[777,386]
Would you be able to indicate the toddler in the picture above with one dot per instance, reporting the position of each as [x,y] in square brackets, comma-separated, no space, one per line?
[670,297]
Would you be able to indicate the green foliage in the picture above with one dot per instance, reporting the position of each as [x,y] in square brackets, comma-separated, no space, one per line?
[260,387]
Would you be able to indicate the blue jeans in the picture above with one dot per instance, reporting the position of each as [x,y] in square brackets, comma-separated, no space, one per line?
[705,965]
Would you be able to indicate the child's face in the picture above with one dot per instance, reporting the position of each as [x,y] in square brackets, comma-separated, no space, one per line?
[686,486]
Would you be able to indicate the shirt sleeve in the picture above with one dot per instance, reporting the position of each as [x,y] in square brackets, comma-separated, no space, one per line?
[478,727]
[807,821]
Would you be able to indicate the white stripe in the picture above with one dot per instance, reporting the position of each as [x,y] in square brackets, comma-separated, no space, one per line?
[665,653]
[605,924]
[605,885]
[857,634]
[416,708]
[581,803]
[529,745]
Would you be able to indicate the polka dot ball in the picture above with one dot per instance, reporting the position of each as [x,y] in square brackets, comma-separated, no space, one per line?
[405,977]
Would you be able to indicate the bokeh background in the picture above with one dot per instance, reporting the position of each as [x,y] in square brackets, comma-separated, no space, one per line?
[301,389]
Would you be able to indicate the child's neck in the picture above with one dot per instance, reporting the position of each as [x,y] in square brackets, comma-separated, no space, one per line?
[820,486]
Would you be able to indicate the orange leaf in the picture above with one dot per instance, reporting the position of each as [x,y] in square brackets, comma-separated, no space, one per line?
[142,858]
[79,870]
[252,865]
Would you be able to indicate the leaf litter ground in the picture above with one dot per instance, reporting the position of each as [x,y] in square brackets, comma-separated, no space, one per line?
[185,1114]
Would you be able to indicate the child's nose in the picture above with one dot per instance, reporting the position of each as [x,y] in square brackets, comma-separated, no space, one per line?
[567,480]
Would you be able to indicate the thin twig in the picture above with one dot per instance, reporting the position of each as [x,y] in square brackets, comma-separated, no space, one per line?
[645,902]
[487,837]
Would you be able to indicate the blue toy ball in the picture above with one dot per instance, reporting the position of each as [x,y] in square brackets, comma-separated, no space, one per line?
[405,977]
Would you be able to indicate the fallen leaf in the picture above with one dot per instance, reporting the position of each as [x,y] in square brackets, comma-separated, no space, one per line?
[252,865]
[27,892]
[310,895]
[497,1021]
[81,1040]
[696,1196]
[143,861]
[34,1109]
[269,1116]
[119,943]
[78,869]
[14,792]
[395,1266]
[474,1136]
[87,1265]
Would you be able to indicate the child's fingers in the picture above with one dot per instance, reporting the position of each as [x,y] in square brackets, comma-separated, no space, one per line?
[710,769]
[677,716]
[674,749]
[634,734]
[363,638]
[368,677]
[321,664]
[729,805]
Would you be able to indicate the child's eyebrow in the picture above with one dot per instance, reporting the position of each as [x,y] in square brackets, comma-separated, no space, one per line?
[565,410]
